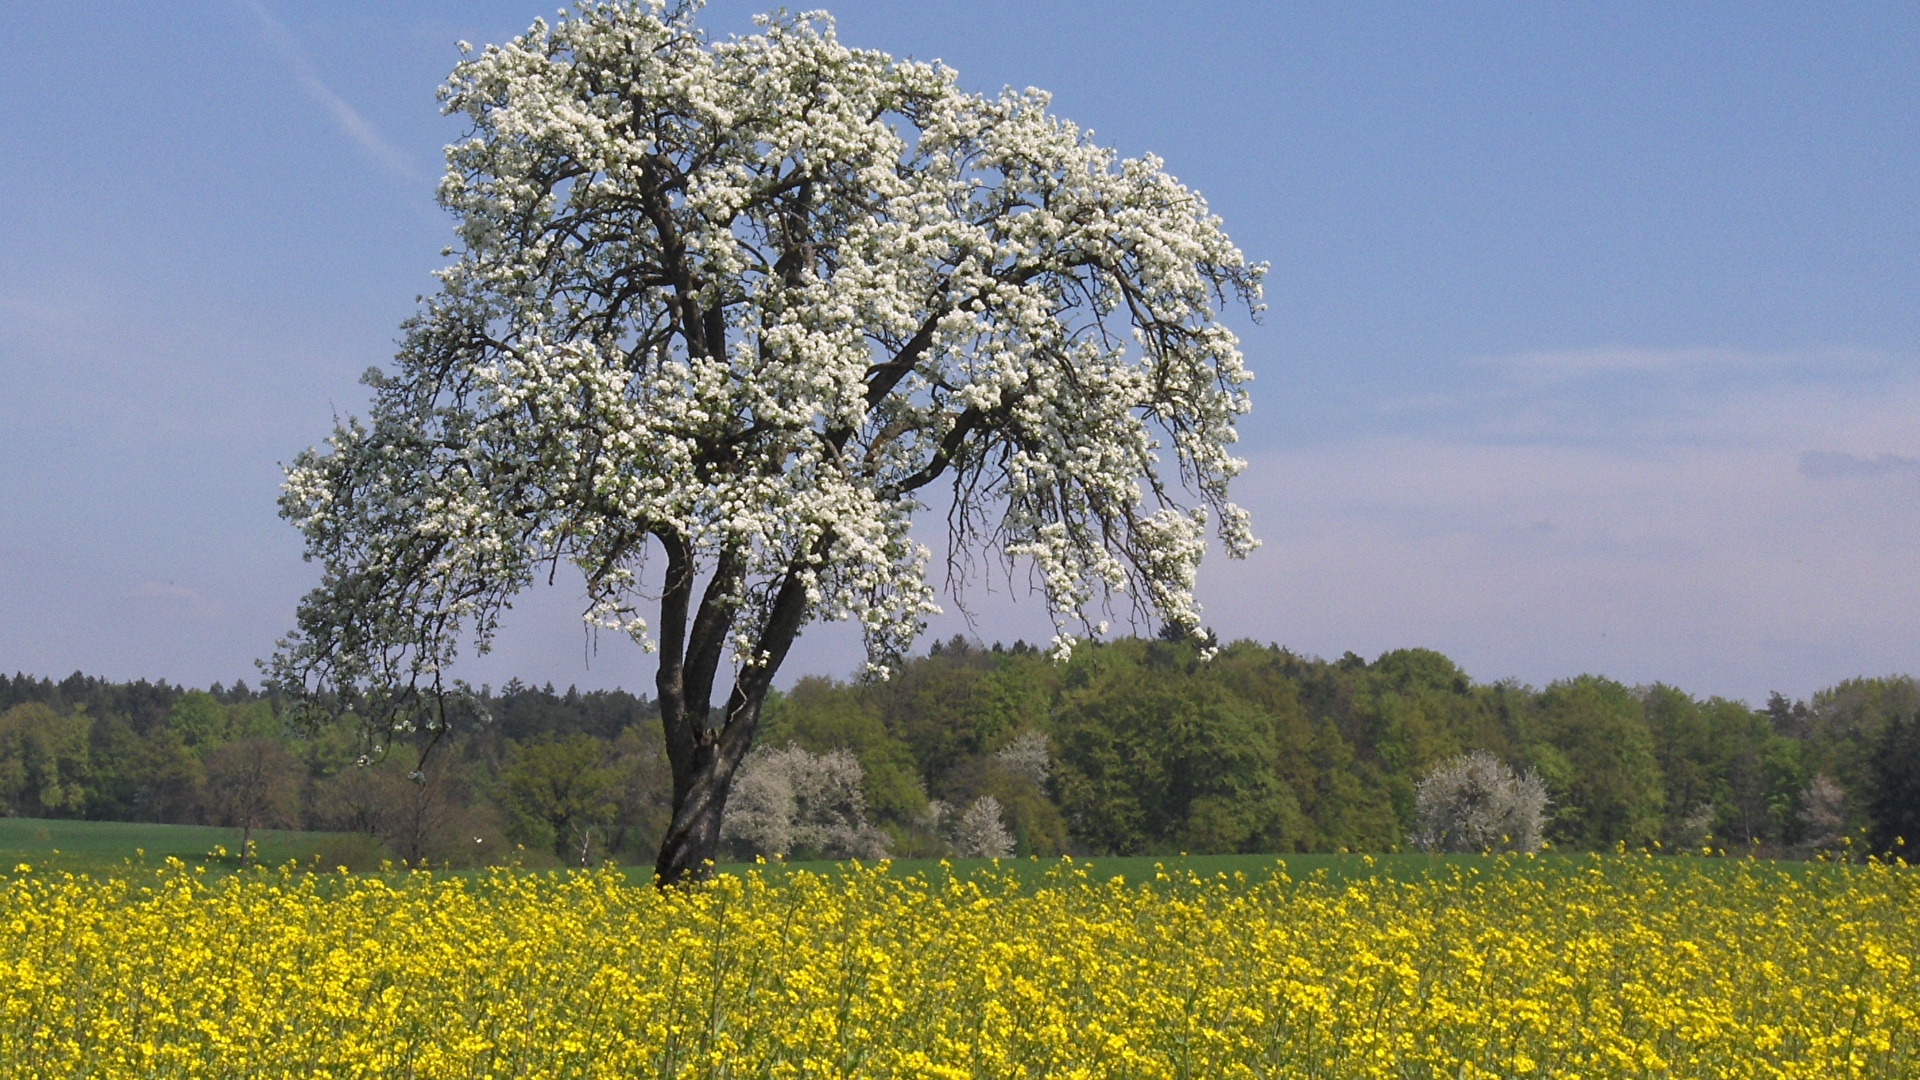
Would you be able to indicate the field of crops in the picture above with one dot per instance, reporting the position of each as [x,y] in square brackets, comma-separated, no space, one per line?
[105,847]
[1575,967]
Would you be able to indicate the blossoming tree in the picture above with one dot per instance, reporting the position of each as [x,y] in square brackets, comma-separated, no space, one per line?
[724,316]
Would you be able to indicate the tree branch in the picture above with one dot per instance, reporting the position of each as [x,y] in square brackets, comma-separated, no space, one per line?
[882,378]
[710,625]
[963,425]
[669,680]
[784,618]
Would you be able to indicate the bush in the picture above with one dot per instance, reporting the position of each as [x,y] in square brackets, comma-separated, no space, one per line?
[1823,812]
[981,831]
[1474,802]
[791,802]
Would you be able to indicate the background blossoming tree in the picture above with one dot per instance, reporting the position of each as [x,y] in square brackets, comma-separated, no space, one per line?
[724,316]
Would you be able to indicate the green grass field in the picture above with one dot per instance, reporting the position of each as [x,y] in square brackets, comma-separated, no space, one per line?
[99,847]
[1135,869]
[103,847]
[1330,868]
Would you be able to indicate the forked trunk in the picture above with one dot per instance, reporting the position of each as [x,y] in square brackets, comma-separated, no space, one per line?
[703,758]
[700,786]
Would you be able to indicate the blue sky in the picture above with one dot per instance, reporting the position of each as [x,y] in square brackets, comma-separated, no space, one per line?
[1593,342]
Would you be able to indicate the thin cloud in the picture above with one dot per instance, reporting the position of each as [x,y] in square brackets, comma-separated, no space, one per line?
[1541,368]
[1579,362]
[179,598]
[348,119]
[1830,464]
[1668,397]
[1708,567]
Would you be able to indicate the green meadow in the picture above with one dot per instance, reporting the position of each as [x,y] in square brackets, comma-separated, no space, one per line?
[103,847]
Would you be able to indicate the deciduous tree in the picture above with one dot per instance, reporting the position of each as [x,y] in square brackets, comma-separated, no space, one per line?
[1475,802]
[254,783]
[723,315]
[1599,764]
[44,762]
[562,791]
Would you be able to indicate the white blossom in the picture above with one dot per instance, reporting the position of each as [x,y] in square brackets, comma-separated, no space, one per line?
[1475,803]
[980,832]
[1823,811]
[736,306]
[1026,754]
[788,800]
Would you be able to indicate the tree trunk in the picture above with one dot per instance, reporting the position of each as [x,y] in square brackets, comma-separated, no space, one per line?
[703,758]
[688,850]
[692,843]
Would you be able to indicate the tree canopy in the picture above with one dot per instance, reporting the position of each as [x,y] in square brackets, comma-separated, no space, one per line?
[1131,747]
[738,307]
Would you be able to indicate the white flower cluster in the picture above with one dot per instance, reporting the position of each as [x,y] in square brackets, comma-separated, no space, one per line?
[1027,754]
[741,301]
[980,831]
[1475,803]
[789,800]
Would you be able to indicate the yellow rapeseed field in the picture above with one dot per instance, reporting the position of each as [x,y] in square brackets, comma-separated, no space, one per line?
[1601,966]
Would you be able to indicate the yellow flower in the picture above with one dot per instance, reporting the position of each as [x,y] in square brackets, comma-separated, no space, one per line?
[1609,965]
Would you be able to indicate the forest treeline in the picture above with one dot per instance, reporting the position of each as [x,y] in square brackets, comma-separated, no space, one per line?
[1133,746]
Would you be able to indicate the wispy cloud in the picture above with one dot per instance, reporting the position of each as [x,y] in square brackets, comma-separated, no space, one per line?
[1575,363]
[1684,396]
[348,119]
[1663,371]
[177,598]
[1729,520]
[1828,464]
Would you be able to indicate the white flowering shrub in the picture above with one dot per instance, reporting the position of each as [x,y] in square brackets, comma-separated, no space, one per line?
[1026,754]
[761,809]
[1823,813]
[1695,828]
[937,817]
[1475,802]
[980,831]
[719,313]
[788,800]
